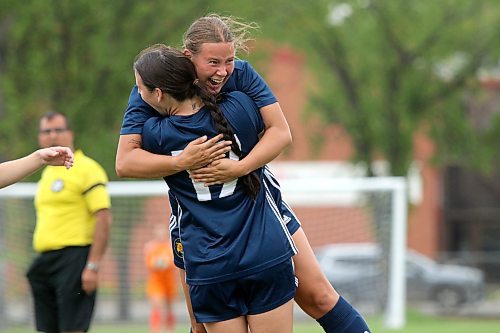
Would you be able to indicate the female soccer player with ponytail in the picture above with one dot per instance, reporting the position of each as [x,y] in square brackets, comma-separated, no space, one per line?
[211,43]
[236,249]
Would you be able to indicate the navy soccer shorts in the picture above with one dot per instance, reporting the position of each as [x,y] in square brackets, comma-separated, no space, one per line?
[250,295]
[60,303]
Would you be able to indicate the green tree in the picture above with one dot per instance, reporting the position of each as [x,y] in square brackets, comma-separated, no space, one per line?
[391,68]
[413,68]
[76,57]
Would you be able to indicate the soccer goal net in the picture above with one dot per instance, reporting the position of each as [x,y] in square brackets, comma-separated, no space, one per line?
[357,227]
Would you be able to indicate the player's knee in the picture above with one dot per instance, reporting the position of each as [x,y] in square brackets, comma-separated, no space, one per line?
[324,295]
[318,300]
[325,299]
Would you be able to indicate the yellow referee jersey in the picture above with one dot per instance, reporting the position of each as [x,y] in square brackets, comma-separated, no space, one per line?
[65,202]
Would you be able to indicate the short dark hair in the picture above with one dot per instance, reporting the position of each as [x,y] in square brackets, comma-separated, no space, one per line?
[52,114]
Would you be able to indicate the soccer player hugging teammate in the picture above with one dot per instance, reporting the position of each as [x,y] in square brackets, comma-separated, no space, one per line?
[236,248]
[211,43]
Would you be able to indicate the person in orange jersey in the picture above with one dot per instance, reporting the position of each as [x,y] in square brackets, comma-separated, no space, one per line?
[162,283]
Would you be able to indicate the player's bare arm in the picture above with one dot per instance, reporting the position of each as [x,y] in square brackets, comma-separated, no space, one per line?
[276,137]
[15,170]
[133,161]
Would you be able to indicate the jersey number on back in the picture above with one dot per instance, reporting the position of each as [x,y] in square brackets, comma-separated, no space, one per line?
[203,192]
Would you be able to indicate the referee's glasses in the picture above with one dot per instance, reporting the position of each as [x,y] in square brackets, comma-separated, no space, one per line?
[57,130]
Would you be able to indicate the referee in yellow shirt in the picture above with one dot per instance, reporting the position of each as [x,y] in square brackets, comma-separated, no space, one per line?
[71,234]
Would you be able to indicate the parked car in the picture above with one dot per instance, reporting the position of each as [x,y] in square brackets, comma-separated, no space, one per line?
[358,272]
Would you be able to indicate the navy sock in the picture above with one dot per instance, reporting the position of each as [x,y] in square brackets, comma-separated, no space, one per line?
[343,318]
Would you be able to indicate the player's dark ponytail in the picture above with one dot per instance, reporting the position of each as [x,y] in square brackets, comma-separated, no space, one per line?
[250,181]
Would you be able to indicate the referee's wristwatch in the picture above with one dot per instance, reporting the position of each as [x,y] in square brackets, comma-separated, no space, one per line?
[92,266]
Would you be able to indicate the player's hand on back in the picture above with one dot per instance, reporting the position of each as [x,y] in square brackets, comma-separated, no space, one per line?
[201,152]
[218,172]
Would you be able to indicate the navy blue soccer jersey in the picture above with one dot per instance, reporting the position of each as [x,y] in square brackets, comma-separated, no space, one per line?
[224,233]
[244,78]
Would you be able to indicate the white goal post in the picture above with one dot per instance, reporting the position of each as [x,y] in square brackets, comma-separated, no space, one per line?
[307,194]
[322,190]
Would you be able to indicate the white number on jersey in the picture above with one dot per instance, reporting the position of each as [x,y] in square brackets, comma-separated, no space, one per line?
[202,191]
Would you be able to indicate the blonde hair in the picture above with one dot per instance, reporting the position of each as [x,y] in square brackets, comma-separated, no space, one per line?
[213,28]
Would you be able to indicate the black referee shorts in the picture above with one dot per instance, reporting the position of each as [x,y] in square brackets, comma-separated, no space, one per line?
[60,303]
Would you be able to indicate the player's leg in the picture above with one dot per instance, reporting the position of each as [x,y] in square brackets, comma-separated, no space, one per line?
[219,306]
[343,318]
[155,298]
[195,326]
[170,319]
[316,296]
[235,325]
[155,312]
[269,298]
[278,320]
[178,260]
[170,296]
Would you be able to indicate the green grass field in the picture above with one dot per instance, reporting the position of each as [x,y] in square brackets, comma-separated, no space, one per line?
[416,323]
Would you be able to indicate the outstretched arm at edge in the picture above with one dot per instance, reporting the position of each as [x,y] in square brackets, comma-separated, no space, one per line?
[15,170]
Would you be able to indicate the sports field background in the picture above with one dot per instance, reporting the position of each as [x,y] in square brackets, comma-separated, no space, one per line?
[417,323]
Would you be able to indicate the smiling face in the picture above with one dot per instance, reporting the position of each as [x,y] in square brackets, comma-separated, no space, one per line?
[214,64]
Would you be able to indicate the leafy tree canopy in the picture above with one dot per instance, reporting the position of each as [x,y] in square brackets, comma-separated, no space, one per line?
[387,68]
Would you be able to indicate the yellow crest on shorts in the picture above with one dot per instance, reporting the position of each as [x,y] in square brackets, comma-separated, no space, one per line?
[179,251]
